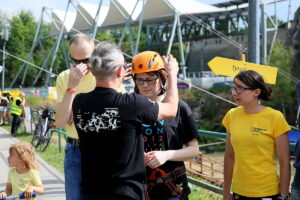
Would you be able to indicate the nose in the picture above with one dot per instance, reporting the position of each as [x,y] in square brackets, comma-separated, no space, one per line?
[145,84]
[234,93]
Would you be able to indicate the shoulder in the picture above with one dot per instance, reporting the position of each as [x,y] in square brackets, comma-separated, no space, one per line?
[63,75]
[12,170]
[273,111]
[34,172]
[183,105]
[236,110]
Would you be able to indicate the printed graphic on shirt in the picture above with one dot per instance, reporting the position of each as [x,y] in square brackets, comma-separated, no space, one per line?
[154,136]
[257,131]
[91,121]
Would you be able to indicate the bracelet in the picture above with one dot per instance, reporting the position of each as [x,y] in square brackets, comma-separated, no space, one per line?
[71,90]
[284,196]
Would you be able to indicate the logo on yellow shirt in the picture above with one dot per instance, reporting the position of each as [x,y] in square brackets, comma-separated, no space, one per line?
[257,131]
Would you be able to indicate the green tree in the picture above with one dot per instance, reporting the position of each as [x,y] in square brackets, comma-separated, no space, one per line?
[284,90]
[22,28]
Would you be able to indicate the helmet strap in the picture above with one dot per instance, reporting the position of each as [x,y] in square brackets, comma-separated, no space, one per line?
[162,87]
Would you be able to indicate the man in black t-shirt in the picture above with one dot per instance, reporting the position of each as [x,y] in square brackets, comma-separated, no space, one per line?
[109,127]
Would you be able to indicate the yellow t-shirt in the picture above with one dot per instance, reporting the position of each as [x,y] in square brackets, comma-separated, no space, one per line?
[20,182]
[87,84]
[253,140]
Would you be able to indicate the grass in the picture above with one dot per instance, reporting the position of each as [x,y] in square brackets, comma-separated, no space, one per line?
[199,193]
[51,155]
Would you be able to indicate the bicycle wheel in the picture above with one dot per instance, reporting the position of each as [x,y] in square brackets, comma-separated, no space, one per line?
[44,141]
[35,141]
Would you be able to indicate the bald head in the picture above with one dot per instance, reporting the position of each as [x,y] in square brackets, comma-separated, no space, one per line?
[22,95]
[81,46]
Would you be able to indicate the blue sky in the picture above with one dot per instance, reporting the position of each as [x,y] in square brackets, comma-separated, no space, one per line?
[15,6]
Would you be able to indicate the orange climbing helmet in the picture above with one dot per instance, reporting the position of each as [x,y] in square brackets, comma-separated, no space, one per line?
[147,61]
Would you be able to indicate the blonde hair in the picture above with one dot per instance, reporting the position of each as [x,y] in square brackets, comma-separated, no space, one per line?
[26,153]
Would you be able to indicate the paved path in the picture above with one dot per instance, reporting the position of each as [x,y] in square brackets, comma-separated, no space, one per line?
[51,178]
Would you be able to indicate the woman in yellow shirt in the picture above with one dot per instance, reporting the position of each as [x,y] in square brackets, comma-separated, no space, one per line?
[254,134]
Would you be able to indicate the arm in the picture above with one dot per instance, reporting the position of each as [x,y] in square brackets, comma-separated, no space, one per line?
[64,108]
[168,108]
[39,189]
[7,191]
[158,158]
[228,168]
[282,147]
[23,102]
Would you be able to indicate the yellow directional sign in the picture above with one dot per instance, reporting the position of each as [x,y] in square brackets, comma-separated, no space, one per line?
[230,67]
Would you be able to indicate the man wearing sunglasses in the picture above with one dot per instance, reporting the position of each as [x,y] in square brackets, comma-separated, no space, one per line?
[77,79]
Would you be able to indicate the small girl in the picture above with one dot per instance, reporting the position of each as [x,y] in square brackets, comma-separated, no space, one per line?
[24,175]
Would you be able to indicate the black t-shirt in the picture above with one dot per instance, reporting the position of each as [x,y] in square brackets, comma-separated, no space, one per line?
[170,135]
[109,128]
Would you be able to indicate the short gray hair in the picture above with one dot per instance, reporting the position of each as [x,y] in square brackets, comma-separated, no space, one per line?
[105,59]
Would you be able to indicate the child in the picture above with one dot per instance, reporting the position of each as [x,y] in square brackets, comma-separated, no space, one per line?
[24,175]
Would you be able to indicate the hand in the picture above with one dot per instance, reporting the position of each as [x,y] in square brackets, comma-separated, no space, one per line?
[28,192]
[147,159]
[128,74]
[70,121]
[2,195]
[76,74]
[157,158]
[171,65]
[228,196]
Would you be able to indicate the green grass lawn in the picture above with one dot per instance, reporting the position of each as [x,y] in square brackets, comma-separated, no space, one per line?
[50,155]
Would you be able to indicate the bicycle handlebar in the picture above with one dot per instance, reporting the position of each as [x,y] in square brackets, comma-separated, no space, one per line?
[20,196]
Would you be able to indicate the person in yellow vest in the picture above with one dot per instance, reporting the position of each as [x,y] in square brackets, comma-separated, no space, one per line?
[16,112]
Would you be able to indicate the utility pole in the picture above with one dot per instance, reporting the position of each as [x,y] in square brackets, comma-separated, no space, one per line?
[5,37]
[253,32]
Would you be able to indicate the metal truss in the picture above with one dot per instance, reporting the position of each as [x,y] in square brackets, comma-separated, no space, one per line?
[230,23]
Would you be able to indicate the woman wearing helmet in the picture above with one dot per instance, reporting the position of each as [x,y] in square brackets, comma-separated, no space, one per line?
[164,140]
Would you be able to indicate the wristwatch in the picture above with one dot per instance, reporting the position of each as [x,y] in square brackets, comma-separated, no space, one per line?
[284,196]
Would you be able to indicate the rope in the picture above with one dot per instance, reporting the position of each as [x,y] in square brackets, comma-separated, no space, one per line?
[22,60]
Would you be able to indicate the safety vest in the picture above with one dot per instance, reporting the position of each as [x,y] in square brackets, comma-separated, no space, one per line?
[15,109]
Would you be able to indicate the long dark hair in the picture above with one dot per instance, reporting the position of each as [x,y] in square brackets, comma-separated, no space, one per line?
[255,81]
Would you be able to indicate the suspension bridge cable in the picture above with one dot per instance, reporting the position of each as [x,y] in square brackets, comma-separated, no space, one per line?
[22,60]
[207,92]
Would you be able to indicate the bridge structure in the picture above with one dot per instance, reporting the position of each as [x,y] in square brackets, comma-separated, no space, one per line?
[171,23]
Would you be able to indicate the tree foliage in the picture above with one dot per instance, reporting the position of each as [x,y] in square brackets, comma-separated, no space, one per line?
[284,91]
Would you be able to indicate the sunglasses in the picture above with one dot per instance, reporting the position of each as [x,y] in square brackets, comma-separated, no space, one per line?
[84,61]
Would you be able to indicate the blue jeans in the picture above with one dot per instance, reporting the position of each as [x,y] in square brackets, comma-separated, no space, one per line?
[295,194]
[72,172]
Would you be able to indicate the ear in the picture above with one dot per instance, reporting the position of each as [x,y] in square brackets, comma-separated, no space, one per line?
[257,92]
[120,72]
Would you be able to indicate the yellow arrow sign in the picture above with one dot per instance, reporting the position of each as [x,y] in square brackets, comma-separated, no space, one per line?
[230,67]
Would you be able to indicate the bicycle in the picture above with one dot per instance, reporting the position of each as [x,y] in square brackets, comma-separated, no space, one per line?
[43,129]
